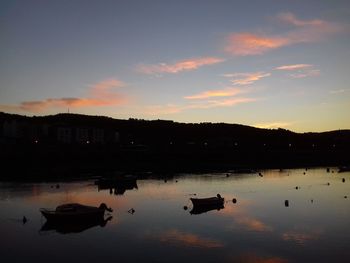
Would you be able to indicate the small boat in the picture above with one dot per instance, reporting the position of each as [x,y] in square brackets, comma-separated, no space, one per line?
[210,201]
[75,212]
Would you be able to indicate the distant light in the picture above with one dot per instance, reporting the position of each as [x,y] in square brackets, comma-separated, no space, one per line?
[313,145]
[205,144]
[264,144]
[171,143]
[333,145]
[87,142]
[36,141]
[236,143]
[131,142]
[290,145]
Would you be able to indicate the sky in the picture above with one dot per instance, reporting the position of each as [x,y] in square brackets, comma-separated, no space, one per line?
[269,64]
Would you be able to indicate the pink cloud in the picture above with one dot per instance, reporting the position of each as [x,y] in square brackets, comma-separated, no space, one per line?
[247,43]
[206,104]
[294,67]
[244,44]
[246,78]
[100,94]
[183,65]
[215,93]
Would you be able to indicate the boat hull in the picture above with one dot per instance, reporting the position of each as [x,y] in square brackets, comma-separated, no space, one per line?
[211,201]
[52,215]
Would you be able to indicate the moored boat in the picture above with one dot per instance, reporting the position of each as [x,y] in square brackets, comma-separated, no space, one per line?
[75,212]
[210,201]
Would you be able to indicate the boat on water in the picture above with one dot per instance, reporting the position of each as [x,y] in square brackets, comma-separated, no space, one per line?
[203,205]
[75,212]
[210,201]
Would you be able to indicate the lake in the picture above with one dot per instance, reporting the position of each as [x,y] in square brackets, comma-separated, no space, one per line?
[297,215]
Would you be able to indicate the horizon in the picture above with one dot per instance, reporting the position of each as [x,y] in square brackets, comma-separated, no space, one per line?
[260,64]
[169,120]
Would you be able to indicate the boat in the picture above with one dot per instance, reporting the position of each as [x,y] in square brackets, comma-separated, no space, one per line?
[75,212]
[210,201]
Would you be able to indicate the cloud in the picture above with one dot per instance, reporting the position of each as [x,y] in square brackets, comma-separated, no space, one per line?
[273,125]
[206,104]
[304,31]
[244,44]
[228,92]
[301,237]
[183,65]
[100,94]
[338,91]
[303,70]
[246,78]
[294,67]
[290,18]
[188,239]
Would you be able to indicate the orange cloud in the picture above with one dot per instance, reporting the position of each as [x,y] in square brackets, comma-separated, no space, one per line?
[246,78]
[294,67]
[189,240]
[246,43]
[174,108]
[183,65]
[100,94]
[215,93]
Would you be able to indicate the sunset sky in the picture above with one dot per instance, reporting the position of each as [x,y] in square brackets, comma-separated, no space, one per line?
[269,63]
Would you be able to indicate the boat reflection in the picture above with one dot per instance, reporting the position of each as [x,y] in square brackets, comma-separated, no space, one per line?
[197,210]
[70,227]
[117,186]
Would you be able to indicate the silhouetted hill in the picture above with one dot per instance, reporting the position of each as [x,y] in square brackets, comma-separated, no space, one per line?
[71,142]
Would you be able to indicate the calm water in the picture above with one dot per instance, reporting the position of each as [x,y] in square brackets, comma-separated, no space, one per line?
[315,227]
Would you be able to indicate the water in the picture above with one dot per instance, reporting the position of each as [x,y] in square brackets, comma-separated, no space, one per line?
[258,228]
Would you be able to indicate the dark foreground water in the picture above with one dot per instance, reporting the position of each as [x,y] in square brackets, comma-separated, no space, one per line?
[259,227]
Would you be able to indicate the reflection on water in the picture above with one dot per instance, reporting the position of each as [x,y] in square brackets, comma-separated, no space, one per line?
[283,216]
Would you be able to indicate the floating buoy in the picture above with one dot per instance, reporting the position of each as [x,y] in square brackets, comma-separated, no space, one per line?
[343,180]
[328,183]
[312,200]
[261,175]
[24,220]
[303,172]
[227,175]
[345,196]
[185,207]
[131,211]
[234,200]
[297,187]
[328,170]
[57,186]
[286,203]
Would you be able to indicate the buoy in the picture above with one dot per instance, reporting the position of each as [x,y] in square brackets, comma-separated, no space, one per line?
[234,200]
[24,220]
[57,186]
[312,200]
[328,170]
[303,172]
[261,175]
[343,180]
[185,207]
[345,196]
[286,203]
[131,211]
[297,187]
